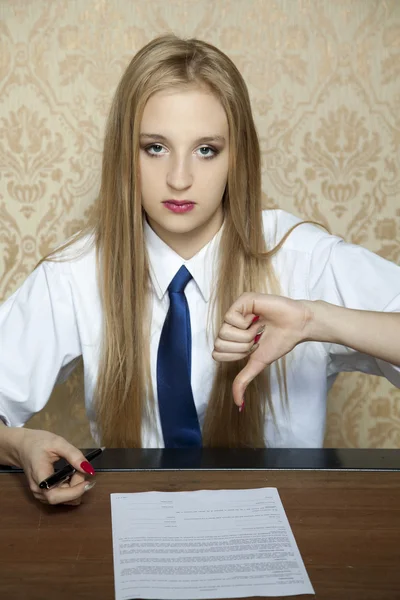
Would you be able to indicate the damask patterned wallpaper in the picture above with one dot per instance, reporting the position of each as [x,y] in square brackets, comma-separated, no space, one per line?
[324,79]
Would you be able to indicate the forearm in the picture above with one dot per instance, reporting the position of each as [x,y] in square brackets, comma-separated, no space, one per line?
[373,333]
[9,439]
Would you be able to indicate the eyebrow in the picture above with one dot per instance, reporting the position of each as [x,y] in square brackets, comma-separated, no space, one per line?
[203,140]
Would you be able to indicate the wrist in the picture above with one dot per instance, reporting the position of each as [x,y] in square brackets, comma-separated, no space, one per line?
[325,323]
[319,321]
[10,442]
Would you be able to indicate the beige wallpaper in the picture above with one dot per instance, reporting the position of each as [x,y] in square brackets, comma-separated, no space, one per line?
[324,78]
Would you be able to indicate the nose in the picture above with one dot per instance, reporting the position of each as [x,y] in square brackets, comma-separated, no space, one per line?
[179,174]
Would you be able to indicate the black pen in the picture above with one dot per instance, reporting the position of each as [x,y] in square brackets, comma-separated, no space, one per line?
[66,472]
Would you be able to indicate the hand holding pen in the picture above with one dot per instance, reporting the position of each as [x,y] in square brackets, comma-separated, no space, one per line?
[37,451]
[68,471]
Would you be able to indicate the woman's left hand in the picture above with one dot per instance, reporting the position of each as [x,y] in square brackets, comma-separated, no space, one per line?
[283,324]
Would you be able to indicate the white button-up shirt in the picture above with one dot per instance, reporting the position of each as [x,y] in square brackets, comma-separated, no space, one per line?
[56,316]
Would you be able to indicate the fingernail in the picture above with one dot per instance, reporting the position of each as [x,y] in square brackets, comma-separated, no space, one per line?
[255,320]
[89,486]
[87,467]
[241,407]
[254,347]
[259,334]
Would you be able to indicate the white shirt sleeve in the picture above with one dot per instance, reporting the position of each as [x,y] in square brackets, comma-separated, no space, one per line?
[353,277]
[39,339]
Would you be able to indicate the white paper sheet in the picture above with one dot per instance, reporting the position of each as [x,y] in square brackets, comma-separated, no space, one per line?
[204,544]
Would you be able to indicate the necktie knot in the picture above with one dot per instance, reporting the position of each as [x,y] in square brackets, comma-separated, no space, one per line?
[180,280]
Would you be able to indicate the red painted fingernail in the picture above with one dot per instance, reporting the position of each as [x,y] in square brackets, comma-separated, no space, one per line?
[241,407]
[255,320]
[87,467]
[257,338]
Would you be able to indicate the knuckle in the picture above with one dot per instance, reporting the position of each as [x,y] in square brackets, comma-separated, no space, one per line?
[229,315]
[217,344]
[249,337]
[217,356]
[52,440]
[222,331]
[240,382]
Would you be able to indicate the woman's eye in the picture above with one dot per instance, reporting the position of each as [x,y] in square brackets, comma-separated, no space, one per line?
[207,152]
[154,149]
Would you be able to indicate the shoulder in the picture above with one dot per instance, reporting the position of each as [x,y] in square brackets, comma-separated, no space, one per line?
[299,250]
[73,264]
[76,247]
[315,264]
[305,237]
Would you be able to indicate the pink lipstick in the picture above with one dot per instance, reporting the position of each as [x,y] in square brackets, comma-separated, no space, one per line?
[179,206]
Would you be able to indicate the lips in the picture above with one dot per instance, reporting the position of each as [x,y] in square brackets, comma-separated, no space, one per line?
[179,206]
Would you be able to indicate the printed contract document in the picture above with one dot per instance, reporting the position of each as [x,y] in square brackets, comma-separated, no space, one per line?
[204,544]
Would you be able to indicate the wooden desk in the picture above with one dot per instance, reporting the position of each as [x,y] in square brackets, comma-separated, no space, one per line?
[343,507]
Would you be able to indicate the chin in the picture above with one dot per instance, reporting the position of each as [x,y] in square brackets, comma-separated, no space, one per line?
[179,223]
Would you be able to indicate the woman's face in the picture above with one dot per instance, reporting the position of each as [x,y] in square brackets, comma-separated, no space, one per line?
[184,153]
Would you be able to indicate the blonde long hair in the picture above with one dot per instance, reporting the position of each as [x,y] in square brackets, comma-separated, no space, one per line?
[124,397]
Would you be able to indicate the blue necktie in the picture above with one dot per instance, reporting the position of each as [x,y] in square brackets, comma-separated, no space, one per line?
[179,421]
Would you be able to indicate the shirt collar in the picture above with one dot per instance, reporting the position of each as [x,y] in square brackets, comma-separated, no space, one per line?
[165,263]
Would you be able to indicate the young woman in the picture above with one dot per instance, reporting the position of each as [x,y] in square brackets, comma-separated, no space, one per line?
[183,297]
